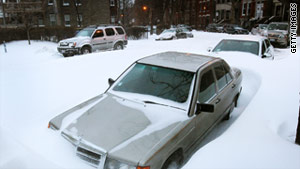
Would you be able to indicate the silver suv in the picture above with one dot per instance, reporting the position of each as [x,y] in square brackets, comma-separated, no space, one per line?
[278,33]
[94,38]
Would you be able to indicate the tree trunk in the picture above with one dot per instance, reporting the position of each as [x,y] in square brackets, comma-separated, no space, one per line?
[28,35]
[298,130]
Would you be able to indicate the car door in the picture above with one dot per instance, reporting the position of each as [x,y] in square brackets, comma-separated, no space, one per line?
[110,37]
[98,40]
[207,94]
[226,89]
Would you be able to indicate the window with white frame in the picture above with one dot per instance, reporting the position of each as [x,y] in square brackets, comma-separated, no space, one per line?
[244,9]
[67,20]
[41,22]
[79,20]
[66,3]
[50,2]
[52,19]
[112,2]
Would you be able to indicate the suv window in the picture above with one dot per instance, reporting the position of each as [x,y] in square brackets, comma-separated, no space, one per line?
[109,32]
[120,31]
[207,87]
[221,76]
[98,33]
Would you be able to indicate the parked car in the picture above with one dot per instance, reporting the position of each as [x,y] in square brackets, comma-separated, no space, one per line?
[229,28]
[188,33]
[154,112]
[214,28]
[278,33]
[256,45]
[184,26]
[259,29]
[94,38]
[171,34]
[240,30]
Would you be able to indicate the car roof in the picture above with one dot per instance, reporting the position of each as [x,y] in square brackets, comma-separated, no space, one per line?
[177,60]
[246,38]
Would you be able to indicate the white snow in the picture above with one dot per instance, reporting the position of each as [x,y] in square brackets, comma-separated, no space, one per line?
[37,83]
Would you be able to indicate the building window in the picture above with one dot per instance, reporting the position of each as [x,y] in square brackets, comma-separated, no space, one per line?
[244,8]
[112,2]
[78,2]
[67,20]
[79,20]
[41,22]
[50,2]
[113,19]
[249,8]
[52,20]
[66,3]
[278,10]
[227,14]
[222,14]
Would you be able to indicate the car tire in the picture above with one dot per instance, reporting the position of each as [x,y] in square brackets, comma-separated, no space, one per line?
[118,46]
[236,100]
[65,55]
[228,115]
[85,50]
[174,161]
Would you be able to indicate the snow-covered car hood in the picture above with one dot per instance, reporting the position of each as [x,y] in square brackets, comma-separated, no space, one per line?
[166,35]
[75,39]
[126,129]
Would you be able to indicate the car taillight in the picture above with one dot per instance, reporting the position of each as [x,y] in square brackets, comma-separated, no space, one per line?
[125,37]
[139,167]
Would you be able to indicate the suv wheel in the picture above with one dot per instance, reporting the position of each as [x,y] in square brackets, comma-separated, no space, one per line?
[118,46]
[85,50]
[173,162]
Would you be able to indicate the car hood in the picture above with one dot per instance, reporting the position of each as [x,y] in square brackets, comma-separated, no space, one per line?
[277,32]
[125,129]
[75,39]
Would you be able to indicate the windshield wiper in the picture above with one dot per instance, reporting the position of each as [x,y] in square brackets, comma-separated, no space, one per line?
[152,102]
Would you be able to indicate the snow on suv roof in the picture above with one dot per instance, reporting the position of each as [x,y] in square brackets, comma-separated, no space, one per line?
[176,60]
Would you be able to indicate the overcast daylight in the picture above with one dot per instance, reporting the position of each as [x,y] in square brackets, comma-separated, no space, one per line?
[149,84]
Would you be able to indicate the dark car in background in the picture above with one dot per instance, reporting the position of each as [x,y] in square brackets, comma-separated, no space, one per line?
[278,33]
[214,27]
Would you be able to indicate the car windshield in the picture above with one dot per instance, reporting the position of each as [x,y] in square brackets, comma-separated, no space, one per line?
[85,32]
[169,31]
[156,81]
[262,26]
[278,27]
[237,45]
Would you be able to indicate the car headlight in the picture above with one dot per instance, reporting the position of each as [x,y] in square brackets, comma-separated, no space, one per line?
[72,44]
[114,164]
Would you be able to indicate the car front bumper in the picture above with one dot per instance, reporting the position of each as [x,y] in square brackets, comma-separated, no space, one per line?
[73,51]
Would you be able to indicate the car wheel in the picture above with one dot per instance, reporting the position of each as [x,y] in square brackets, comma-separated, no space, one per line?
[236,100]
[85,50]
[65,55]
[118,46]
[227,116]
[173,162]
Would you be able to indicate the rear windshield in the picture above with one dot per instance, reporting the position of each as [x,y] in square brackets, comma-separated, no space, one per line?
[238,45]
[120,31]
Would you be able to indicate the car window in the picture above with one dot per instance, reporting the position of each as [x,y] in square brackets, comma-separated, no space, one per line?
[207,87]
[227,72]
[263,48]
[221,76]
[109,32]
[98,33]
[267,43]
[237,45]
[120,31]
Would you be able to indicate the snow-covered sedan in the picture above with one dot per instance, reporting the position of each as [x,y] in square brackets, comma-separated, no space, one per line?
[153,113]
[256,45]
[173,33]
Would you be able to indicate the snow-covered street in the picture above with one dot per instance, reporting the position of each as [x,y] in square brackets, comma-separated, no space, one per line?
[37,83]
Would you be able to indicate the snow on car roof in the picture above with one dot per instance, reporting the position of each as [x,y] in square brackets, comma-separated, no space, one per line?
[176,60]
[246,38]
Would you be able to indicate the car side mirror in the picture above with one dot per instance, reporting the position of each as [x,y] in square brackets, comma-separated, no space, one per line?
[266,55]
[209,49]
[202,107]
[111,81]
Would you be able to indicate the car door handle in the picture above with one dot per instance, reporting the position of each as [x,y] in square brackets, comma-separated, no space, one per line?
[218,100]
[233,86]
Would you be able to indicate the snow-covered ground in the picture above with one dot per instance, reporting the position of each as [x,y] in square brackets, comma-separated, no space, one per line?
[37,83]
